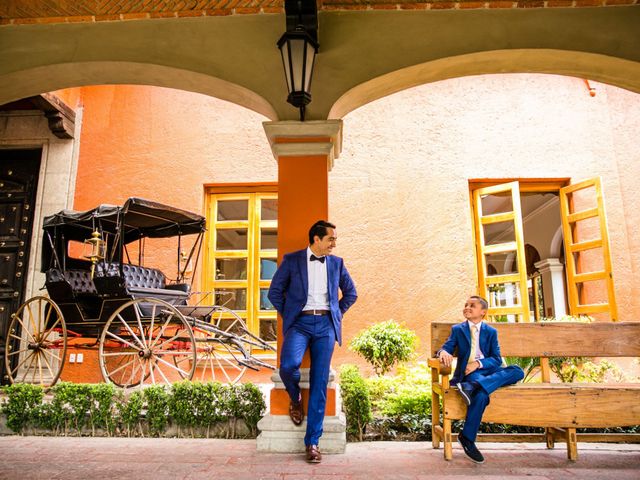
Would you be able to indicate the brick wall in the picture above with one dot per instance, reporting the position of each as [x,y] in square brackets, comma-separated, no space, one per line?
[44,11]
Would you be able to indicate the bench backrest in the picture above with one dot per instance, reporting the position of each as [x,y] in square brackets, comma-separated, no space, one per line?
[557,339]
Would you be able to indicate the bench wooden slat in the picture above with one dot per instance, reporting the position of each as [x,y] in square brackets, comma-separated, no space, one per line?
[557,339]
[582,407]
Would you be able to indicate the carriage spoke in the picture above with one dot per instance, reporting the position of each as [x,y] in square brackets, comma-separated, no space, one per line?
[26,357]
[48,352]
[126,325]
[48,365]
[166,380]
[224,371]
[25,329]
[162,329]
[113,372]
[122,340]
[35,328]
[152,367]
[24,376]
[46,333]
[115,354]
[186,374]
[143,342]
[15,352]
[153,317]
[178,335]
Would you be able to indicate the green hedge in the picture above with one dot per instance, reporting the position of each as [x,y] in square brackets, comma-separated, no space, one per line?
[195,409]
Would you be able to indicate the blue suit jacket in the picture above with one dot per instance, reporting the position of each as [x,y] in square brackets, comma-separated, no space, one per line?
[290,285]
[460,340]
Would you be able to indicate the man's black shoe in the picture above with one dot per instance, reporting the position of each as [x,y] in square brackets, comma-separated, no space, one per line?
[470,449]
[466,392]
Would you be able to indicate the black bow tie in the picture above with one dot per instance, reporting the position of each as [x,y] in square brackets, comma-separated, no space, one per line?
[320,259]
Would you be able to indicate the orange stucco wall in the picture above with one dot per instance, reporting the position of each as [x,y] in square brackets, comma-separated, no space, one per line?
[399,192]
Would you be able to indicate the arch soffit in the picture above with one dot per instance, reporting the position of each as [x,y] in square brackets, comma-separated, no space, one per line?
[33,81]
[602,68]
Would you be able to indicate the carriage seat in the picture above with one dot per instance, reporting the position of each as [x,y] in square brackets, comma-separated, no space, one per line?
[69,285]
[143,282]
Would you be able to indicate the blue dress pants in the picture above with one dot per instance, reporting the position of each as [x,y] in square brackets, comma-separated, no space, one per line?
[316,333]
[489,382]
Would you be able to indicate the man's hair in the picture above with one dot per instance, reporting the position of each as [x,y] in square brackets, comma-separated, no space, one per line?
[320,229]
[483,302]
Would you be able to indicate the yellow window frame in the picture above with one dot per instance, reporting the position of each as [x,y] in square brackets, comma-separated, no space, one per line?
[254,224]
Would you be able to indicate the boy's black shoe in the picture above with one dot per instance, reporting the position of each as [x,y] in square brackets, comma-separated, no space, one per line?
[466,391]
[470,449]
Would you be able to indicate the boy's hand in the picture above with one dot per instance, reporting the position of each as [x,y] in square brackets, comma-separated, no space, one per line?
[471,367]
[445,358]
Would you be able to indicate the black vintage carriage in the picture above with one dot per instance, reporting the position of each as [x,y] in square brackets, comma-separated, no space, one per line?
[148,329]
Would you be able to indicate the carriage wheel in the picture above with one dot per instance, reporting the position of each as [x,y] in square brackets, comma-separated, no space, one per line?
[139,342]
[219,359]
[36,343]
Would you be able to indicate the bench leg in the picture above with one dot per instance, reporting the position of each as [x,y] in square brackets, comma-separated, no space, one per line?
[548,433]
[572,444]
[448,449]
[435,420]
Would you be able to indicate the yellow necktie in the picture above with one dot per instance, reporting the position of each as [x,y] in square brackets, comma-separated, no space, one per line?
[474,340]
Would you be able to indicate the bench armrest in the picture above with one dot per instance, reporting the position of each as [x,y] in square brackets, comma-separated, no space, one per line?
[437,365]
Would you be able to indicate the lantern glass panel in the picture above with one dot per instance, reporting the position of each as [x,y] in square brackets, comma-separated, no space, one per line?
[284,50]
[297,46]
[311,53]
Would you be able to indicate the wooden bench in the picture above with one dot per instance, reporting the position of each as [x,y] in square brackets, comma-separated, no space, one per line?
[560,408]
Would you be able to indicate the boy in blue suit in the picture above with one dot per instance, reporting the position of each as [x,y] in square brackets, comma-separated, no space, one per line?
[304,290]
[479,371]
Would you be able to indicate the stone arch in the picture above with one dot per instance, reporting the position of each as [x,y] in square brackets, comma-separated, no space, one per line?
[606,69]
[46,78]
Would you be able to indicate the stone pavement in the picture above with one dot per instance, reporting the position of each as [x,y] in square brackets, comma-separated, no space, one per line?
[80,458]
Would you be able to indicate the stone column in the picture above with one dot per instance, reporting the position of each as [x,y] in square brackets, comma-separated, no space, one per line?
[553,290]
[305,152]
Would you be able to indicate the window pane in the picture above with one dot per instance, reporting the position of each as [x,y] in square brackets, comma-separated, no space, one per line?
[502,263]
[231,269]
[496,203]
[233,210]
[232,298]
[268,268]
[268,239]
[500,232]
[269,210]
[265,303]
[268,330]
[235,239]
[504,294]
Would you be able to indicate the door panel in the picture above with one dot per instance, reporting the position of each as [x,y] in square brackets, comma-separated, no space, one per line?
[18,182]
[588,254]
[502,271]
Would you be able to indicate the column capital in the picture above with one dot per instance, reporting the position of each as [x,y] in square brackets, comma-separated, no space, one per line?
[550,264]
[290,138]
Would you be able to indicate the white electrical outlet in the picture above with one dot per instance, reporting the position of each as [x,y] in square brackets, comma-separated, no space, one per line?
[80,358]
[72,358]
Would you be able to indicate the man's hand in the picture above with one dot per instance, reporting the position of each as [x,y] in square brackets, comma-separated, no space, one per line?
[445,358]
[471,367]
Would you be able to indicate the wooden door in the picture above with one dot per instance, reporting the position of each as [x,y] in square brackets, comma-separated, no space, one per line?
[18,183]
[587,251]
[502,270]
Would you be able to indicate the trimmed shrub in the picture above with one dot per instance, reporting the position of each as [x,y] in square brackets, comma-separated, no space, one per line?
[355,400]
[384,345]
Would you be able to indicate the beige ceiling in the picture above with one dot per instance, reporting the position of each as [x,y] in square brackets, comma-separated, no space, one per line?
[364,55]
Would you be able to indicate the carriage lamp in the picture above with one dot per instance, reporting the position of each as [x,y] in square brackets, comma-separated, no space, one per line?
[186,265]
[95,249]
[298,47]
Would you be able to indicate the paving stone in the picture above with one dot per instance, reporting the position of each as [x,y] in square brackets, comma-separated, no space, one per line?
[79,458]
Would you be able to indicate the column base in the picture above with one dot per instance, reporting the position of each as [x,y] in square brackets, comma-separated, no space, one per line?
[278,434]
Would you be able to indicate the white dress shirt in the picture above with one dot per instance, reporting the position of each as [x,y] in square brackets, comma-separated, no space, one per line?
[317,295]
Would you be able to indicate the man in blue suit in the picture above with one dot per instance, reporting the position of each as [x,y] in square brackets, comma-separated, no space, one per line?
[479,371]
[304,290]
